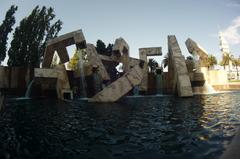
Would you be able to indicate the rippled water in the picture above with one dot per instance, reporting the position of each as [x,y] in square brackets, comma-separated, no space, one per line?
[151,127]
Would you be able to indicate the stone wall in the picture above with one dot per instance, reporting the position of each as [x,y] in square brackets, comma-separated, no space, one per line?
[14,78]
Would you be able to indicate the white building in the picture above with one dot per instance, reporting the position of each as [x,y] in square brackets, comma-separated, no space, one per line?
[225,50]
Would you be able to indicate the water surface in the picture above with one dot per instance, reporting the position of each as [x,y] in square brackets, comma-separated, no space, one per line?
[151,127]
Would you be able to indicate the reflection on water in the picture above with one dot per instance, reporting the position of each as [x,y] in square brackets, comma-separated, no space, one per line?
[153,127]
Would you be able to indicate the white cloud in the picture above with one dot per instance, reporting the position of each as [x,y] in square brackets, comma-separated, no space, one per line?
[231,33]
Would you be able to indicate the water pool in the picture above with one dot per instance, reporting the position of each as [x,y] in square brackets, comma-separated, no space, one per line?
[150,127]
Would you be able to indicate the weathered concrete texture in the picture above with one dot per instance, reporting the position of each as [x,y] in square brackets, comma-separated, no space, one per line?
[60,74]
[121,53]
[94,59]
[120,87]
[179,69]
[133,62]
[197,79]
[143,53]
[193,47]
[196,50]
[120,46]
[150,51]
[60,43]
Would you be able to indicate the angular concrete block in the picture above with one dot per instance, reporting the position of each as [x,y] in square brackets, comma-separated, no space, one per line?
[62,53]
[48,55]
[143,53]
[120,87]
[121,46]
[121,53]
[60,43]
[181,79]
[45,73]
[59,73]
[94,59]
[150,51]
[193,47]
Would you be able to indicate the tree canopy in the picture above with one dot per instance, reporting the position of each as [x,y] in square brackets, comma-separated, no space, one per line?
[102,49]
[30,37]
[211,61]
[152,65]
[226,60]
[5,29]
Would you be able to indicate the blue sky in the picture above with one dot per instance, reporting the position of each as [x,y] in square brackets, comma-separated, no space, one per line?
[144,23]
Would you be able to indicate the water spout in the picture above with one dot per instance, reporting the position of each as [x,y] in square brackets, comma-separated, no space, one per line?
[83,93]
[136,90]
[159,84]
[208,88]
[29,89]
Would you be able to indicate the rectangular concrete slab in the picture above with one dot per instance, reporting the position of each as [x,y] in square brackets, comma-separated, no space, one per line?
[179,70]
[143,53]
[120,87]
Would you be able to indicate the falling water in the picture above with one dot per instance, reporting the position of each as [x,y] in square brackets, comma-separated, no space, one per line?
[136,90]
[159,84]
[29,89]
[208,88]
[83,93]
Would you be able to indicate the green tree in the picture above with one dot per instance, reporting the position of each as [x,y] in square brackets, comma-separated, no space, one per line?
[101,47]
[73,63]
[30,37]
[153,65]
[211,61]
[226,60]
[165,61]
[236,63]
[109,49]
[5,29]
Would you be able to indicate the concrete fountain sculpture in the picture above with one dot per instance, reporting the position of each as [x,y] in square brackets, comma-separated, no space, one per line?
[179,79]
[210,77]
[59,44]
[133,71]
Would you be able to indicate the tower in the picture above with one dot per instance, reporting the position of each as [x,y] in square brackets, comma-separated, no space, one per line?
[224,47]
[225,50]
